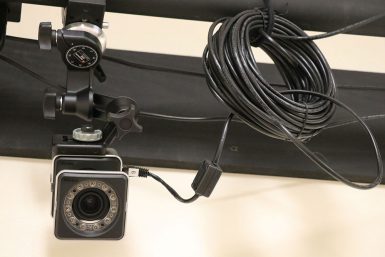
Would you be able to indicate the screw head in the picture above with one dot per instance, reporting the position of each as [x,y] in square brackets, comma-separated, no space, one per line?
[87,134]
[87,128]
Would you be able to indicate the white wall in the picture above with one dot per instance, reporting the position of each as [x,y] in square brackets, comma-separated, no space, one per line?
[247,215]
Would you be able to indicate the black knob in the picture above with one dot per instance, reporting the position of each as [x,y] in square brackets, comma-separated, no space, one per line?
[46,35]
[125,123]
[50,104]
[123,113]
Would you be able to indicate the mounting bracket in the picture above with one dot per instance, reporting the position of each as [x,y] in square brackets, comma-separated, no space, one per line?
[81,43]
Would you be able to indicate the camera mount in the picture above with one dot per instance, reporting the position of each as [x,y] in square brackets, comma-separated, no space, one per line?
[89,186]
[81,43]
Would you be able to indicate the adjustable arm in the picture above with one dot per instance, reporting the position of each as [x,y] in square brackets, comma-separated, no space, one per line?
[81,52]
[82,43]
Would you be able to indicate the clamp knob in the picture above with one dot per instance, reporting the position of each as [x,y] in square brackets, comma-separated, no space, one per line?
[122,112]
[51,103]
[125,123]
[46,36]
[87,134]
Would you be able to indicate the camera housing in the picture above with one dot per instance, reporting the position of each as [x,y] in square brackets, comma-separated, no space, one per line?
[90,204]
[89,191]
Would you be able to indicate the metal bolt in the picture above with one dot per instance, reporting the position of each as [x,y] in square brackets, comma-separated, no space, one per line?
[87,134]
[88,128]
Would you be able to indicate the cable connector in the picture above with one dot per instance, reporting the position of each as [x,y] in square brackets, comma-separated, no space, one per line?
[206,179]
[133,171]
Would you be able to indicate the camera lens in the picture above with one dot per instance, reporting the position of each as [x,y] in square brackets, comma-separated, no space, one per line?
[91,204]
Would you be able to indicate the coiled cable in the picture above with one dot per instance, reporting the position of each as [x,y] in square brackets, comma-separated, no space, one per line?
[295,114]
[234,78]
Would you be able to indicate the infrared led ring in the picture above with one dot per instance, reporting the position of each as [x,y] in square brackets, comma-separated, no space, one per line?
[90,206]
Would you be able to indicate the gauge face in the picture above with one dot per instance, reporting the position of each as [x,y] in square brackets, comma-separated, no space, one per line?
[82,57]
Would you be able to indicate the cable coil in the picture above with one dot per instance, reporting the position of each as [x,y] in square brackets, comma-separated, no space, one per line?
[295,114]
[235,79]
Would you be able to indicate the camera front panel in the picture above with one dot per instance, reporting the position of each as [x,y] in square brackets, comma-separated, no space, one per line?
[90,204]
[83,162]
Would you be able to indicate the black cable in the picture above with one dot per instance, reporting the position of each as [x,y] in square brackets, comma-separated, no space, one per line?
[312,156]
[350,122]
[151,67]
[180,118]
[266,26]
[146,173]
[199,74]
[222,118]
[346,29]
[172,190]
[234,77]
[185,118]
[30,72]
[218,152]
[297,114]
[374,88]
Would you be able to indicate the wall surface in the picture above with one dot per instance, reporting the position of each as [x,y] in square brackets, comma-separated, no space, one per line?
[246,216]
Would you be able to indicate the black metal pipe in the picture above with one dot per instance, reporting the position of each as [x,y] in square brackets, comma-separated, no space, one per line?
[319,15]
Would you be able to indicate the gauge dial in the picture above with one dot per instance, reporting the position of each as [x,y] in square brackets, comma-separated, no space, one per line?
[82,57]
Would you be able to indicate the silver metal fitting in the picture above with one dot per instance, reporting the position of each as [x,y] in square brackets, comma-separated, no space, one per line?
[92,29]
[87,134]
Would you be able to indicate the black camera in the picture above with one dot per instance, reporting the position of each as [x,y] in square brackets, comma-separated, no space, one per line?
[89,190]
